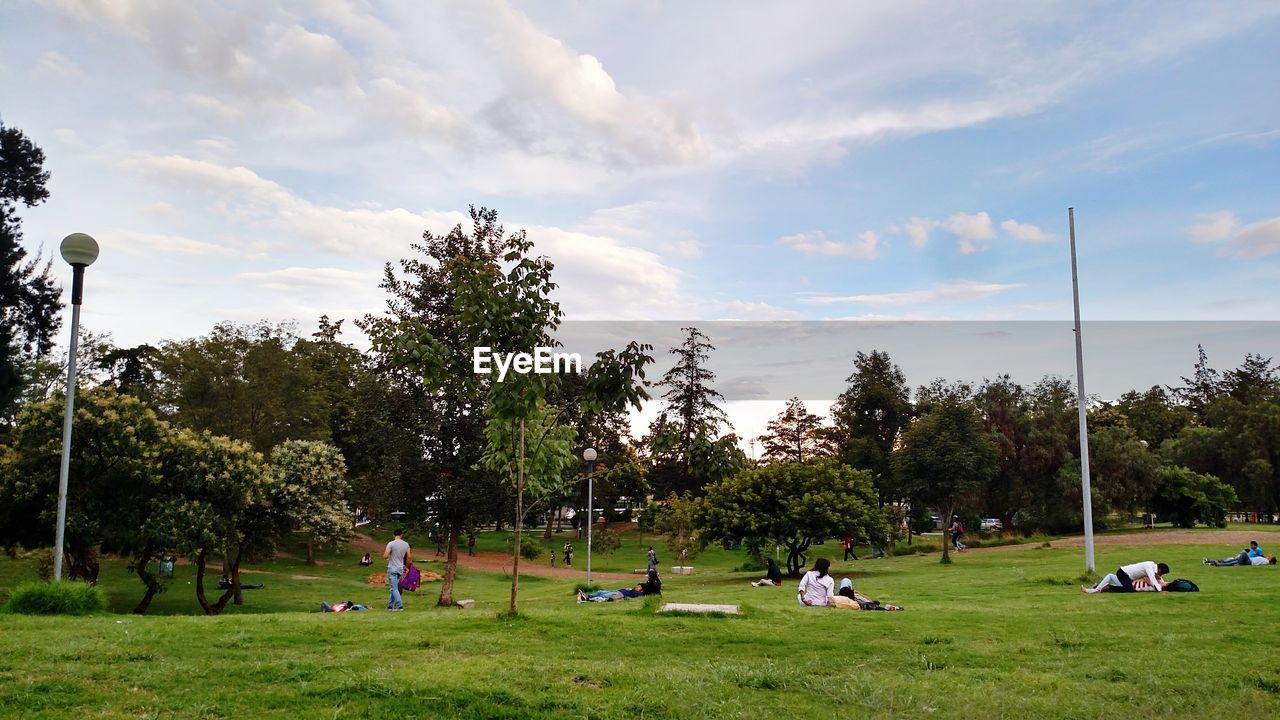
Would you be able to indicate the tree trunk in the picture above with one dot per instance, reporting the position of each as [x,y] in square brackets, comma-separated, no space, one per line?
[234,574]
[946,535]
[450,570]
[311,550]
[149,580]
[796,556]
[515,555]
[204,603]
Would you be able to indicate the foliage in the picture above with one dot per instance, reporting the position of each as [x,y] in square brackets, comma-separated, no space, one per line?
[605,542]
[946,458]
[530,548]
[310,477]
[869,416]
[795,435]
[793,504]
[1186,498]
[686,450]
[29,296]
[678,521]
[56,598]
[246,382]
[115,470]
[1123,472]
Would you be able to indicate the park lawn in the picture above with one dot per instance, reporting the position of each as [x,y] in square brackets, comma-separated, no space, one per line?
[1000,633]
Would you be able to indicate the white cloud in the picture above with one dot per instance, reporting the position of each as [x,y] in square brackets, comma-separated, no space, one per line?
[1024,231]
[917,228]
[955,291]
[815,242]
[1256,240]
[971,229]
[57,65]
[307,278]
[1214,226]
[743,310]
[650,223]
[140,243]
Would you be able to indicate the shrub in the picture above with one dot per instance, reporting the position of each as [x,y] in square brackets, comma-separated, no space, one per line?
[65,598]
[530,547]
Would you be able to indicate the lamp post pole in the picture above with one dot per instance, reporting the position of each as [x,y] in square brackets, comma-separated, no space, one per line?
[1085,490]
[590,456]
[79,250]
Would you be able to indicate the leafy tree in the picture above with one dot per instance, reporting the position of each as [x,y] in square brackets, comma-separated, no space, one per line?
[1052,499]
[29,298]
[792,504]
[946,459]
[869,416]
[678,521]
[1187,497]
[685,446]
[1203,386]
[796,435]
[245,382]
[114,476]
[312,481]
[1152,415]
[1123,472]
[1005,409]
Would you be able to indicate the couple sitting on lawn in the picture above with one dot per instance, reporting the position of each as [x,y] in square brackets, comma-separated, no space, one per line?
[816,590]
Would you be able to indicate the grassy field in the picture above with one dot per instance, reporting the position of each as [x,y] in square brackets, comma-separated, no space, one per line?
[1000,633]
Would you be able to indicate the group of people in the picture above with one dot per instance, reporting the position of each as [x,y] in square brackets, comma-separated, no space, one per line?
[651,586]
[818,589]
[1251,555]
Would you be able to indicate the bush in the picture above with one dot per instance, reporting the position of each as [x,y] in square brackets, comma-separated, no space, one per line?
[530,547]
[66,598]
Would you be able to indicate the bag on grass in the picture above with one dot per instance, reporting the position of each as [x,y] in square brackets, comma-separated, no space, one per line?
[1181,585]
[411,579]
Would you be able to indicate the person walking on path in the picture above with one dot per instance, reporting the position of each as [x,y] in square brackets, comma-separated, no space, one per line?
[1124,577]
[439,544]
[847,544]
[653,560]
[397,555]
[957,532]
[471,544]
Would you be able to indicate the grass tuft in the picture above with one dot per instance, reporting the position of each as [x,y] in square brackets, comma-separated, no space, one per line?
[48,598]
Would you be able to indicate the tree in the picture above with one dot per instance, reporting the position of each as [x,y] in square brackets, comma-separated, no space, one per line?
[506,306]
[685,446]
[795,435]
[312,481]
[678,521]
[792,504]
[1124,472]
[869,416]
[245,382]
[29,299]
[1204,385]
[114,475]
[1187,497]
[1005,410]
[946,459]
[1152,415]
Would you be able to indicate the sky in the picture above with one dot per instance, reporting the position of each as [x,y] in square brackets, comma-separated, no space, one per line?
[754,161]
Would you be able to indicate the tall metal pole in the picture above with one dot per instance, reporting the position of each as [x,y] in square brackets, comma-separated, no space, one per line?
[1086,495]
[590,522]
[77,289]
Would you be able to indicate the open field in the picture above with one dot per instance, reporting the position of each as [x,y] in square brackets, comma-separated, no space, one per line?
[1002,633]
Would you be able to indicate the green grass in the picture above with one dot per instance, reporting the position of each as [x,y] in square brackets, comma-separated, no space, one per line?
[1005,633]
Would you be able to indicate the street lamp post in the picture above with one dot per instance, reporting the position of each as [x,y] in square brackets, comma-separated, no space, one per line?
[79,250]
[590,456]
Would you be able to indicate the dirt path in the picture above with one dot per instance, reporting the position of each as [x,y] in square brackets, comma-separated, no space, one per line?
[496,563]
[1154,537]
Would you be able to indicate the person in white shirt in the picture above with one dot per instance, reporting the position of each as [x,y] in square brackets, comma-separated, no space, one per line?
[817,587]
[1124,578]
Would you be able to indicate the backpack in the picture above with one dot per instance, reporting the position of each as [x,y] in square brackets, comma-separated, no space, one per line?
[411,579]
[1181,585]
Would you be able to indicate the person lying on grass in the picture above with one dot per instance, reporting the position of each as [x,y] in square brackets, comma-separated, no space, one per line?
[1124,578]
[611,595]
[847,597]
[1111,582]
[225,584]
[344,606]
[1244,558]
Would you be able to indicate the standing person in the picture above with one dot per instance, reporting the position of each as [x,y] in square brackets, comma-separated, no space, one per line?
[553,557]
[568,554]
[847,544]
[471,544]
[439,544]
[957,531]
[397,555]
[817,587]
[1124,577]
[653,560]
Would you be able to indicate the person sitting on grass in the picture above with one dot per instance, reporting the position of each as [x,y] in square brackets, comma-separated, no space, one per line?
[847,597]
[367,560]
[1124,578]
[772,578]
[817,587]
[611,595]
[1244,558]
[653,585]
